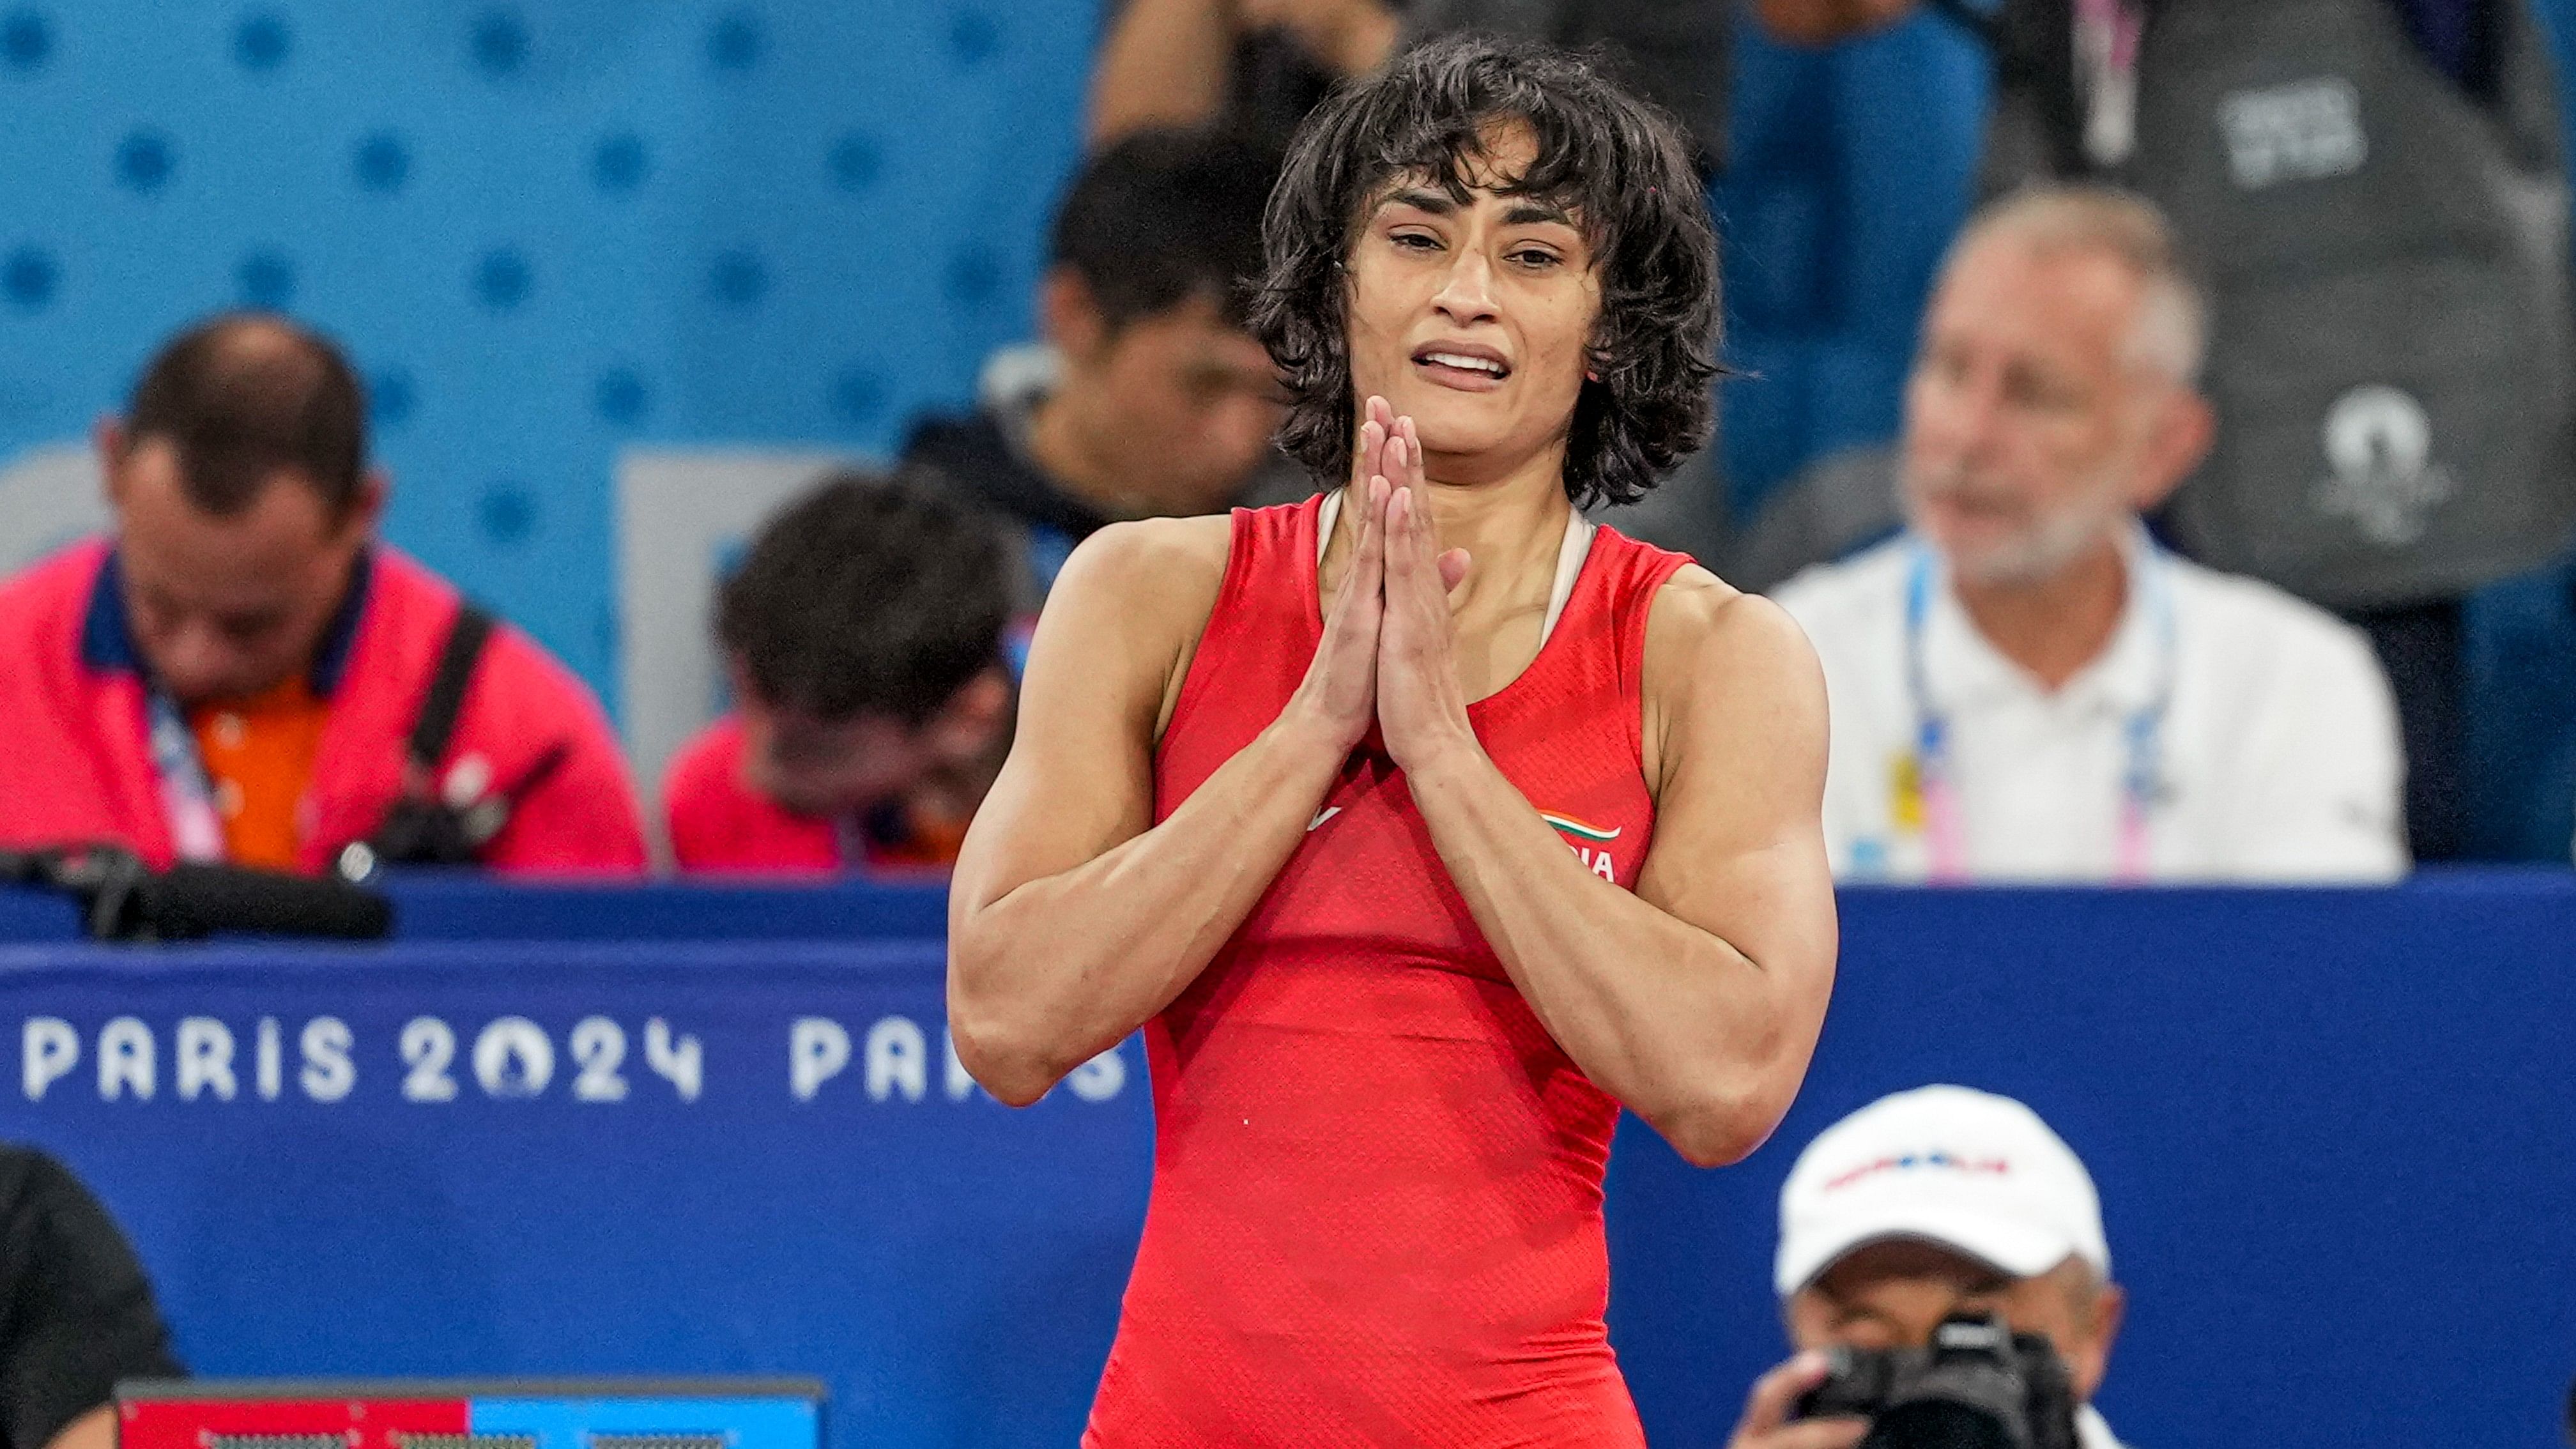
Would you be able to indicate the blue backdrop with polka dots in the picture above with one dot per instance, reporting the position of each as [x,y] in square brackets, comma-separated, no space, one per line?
[551,229]
[544,229]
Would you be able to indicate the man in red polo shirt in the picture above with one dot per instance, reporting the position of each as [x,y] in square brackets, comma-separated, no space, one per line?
[235,674]
[865,639]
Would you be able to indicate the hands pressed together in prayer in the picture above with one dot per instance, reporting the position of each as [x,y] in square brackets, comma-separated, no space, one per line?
[1386,656]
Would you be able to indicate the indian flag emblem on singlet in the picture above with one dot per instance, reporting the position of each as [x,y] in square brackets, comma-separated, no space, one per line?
[1576,830]
[1589,842]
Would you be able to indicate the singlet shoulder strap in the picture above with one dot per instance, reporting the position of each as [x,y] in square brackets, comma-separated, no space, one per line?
[1628,575]
[1579,533]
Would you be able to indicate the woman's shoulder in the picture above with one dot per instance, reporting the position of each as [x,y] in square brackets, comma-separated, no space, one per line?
[1688,605]
[1702,629]
[1147,565]
[1151,582]
[1722,667]
[1140,593]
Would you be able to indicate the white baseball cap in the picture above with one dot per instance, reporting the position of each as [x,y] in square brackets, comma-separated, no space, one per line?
[1957,1168]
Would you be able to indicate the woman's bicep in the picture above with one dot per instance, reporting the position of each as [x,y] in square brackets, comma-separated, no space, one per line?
[1739,838]
[1079,780]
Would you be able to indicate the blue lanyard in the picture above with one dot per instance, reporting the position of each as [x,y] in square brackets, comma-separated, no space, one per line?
[187,795]
[2141,733]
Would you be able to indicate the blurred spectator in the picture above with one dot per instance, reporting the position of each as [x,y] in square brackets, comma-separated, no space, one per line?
[1926,1204]
[1150,398]
[76,1314]
[2025,686]
[864,636]
[236,673]
[2377,191]
[1261,65]
[1836,505]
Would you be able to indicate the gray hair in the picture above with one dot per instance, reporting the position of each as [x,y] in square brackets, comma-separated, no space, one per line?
[2171,332]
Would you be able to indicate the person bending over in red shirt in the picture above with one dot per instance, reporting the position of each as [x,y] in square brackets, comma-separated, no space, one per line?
[235,674]
[864,636]
[1424,825]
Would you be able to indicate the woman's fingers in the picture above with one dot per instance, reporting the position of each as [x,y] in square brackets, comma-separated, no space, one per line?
[1776,1394]
[1399,516]
[1419,548]
[1368,566]
[1395,532]
[1408,536]
[1453,570]
[1377,426]
[1363,583]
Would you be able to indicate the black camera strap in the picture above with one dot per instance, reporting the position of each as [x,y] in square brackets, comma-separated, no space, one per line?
[435,727]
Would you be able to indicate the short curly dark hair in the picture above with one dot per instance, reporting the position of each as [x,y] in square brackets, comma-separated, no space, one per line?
[244,395]
[1164,216]
[868,595]
[1621,167]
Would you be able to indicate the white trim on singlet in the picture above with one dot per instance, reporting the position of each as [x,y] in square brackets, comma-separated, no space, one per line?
[1579,532]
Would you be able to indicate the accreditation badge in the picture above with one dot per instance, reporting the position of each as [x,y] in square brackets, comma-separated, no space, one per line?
[1905,793]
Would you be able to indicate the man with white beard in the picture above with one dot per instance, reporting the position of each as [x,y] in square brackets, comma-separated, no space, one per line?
[2024,685]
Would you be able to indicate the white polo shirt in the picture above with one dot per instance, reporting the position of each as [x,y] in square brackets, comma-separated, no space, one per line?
[2275,754]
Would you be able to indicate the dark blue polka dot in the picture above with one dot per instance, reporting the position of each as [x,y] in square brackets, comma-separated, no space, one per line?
[261,42]
[973,276]
[267,281]
[506,515]
[737,279]
[29,277]
[26,40]
[858,394]
[855,162]
[620,397]
[618,162]
[391,397]
[502,279]
[144,162]
[973,37]
[498,42]
[734,42]
[382,162]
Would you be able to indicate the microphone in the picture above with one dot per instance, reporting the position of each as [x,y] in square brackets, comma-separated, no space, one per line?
[123,900]
[190,901]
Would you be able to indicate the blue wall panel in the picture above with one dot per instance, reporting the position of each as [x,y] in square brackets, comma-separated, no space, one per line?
[2332,1130]
[545,229]
[551,228]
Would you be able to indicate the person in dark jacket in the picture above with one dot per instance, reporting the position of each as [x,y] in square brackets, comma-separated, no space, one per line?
[76,1314]
[1148,398]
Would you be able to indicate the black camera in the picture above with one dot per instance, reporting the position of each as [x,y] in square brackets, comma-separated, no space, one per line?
[1978,1386]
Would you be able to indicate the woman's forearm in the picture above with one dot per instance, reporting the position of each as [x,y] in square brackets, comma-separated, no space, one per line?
[1065,966]
[1682,1027]
[1163,63]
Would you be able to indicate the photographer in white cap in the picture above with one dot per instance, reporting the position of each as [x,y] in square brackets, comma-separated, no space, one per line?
[1929,1203]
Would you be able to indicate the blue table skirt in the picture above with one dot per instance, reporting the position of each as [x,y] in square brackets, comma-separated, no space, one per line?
[2334,1132]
